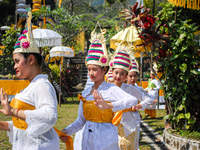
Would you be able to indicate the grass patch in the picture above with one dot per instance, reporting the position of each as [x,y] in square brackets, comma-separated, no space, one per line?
[144,146]
[158,124]
[4,141]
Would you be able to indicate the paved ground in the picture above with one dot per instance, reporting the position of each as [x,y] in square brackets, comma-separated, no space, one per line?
[151,138]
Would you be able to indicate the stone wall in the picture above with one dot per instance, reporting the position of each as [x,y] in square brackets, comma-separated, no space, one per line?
[180,143]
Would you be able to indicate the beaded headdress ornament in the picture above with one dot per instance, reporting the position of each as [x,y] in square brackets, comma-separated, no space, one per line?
[134,66]
[26,43]
[121,58]
[97,54]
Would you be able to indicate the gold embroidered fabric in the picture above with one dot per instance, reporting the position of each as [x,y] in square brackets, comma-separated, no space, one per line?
[92,113]
[17,104]
[118,116]
[21,124]
[126,143]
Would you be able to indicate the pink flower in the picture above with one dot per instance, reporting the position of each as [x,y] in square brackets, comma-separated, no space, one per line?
[103,60]
[111,64]
[26,44]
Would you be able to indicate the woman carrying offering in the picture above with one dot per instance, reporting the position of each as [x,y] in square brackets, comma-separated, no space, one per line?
[33,110]
[153,90]
[98,103]
[128,120]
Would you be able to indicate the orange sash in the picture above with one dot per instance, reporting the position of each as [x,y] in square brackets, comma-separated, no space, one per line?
[92,113]
[118,116]
[21,124]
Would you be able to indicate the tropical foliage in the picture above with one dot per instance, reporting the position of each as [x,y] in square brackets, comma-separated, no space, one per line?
[8,40]
[181,75]
[7,11]
[179,56]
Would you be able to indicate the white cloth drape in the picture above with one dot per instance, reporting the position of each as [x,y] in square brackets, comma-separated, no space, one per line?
[39,134]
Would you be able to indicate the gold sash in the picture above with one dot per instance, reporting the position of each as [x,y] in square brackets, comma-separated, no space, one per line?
[128,142]
[17,104]
[92,113]
[118,115]
[21,124]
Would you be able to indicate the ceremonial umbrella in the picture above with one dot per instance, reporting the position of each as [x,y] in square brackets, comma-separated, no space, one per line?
[129,37]
[5,28]
[61,51]
[46,37]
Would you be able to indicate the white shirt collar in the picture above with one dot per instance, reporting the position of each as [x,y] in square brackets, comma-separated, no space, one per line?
[88,90]
[39,76]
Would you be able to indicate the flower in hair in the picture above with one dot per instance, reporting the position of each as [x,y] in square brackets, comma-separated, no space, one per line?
[111,64]
[26,44]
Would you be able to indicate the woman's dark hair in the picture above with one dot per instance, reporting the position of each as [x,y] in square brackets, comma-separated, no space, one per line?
[105,67]
[38,57]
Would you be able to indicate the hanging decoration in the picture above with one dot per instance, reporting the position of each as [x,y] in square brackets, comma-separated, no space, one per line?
[21,7]
[36,5]
[191,4]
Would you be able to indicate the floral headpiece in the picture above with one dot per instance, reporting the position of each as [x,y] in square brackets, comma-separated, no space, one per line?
[134,66]
[109,75]
[26,43]
[97,54]
[121,58]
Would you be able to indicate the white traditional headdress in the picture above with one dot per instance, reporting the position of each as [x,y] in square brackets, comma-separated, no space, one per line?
[134,66]
[97,54]
[121,58]
[26,43]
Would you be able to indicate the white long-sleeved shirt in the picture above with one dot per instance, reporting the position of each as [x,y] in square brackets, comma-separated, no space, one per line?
[103,134]
[153,92]
[39,134]
[129,119]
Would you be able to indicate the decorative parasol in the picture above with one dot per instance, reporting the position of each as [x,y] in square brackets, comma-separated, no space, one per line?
[46,37]
[61,51]
[129,36]
[5,28]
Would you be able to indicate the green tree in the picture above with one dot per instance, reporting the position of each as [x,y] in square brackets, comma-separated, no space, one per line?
[181,75]
[69,26]
[157,7]
[76,7]
[9,39]
[7,12]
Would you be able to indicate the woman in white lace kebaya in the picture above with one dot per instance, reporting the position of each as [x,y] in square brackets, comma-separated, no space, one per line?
[33,110]
[128,119]
[132,79]
[153,90]
[99,133]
